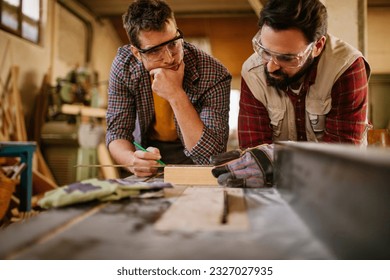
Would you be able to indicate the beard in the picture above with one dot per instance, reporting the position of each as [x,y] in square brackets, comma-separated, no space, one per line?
[281,80]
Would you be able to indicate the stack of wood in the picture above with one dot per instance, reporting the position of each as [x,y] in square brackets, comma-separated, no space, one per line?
[13,128]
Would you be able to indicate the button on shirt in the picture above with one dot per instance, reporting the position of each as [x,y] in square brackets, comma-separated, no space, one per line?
[299,111]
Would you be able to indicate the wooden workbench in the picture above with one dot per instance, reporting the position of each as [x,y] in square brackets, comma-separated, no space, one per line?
[305,216]
[124,230]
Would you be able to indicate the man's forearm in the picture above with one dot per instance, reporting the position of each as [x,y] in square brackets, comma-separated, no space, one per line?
[191,126]
[122,151]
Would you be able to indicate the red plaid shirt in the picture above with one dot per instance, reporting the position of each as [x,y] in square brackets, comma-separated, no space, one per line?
[345,123]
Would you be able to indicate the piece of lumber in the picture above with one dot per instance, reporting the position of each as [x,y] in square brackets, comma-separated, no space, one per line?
[19,115]
[93,112]
[202,208]
[7,123]
[104,158]
[41,108]
[71,109]
[74,109]
[189,175]
[3,137]
[42,166]
[42,184]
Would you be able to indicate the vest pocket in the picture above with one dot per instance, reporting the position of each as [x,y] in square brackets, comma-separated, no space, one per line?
[316,112]
[317,122]
[276,116]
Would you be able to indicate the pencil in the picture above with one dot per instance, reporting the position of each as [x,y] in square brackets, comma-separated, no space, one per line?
[143,149]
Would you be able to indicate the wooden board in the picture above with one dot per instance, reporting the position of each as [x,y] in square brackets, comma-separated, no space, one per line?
[109,172]
[189,175]
[19,115]
[201,209]
[73,109]
[41,183]
[40,165]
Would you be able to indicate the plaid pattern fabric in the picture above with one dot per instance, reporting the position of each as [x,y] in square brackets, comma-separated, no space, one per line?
[345,123]
[206,82]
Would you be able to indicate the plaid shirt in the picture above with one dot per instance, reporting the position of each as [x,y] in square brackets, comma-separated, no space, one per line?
[206,82]
[345,123]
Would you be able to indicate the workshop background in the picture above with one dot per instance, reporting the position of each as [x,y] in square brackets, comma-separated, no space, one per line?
[327,201]
[56,56]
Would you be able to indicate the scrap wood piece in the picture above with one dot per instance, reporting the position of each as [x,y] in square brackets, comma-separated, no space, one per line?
[13,125]
[109,171]
[190,175]
[3,136]
[6,104]
[7,187]
[41,108]
[41,166]
[74,109]
[41,183]
[18,217]
[19,115]
[201,209]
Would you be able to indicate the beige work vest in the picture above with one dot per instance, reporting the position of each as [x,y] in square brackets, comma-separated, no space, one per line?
[336,58]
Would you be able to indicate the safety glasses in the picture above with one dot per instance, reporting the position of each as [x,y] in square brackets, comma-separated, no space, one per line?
[283,60]
[156,53]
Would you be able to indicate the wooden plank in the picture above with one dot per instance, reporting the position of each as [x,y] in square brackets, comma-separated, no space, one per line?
[93,112]
[3,137]
[19,116]
[189,175]
[9,129]
[201,209]
[41,108]
[109,171]
[41,183]
[6,124]
[42,166]
[73,109]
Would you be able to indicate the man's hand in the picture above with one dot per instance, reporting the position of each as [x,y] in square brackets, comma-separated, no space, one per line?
[145,163]
[167,82]
[252,168]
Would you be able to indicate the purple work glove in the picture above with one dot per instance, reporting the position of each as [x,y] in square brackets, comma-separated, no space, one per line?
[251,168]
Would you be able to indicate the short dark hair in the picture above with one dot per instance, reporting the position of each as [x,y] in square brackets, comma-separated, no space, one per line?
[309,16]
[145,15]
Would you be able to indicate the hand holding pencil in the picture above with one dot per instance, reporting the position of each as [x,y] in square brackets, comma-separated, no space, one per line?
[146,161]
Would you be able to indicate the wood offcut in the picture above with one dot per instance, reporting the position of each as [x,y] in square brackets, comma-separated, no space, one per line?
[203,208]
[190,175]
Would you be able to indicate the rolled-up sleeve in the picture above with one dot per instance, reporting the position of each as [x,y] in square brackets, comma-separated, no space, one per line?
[214,113]
[120,116]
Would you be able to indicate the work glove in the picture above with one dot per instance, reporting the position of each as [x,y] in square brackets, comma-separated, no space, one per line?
[251,168]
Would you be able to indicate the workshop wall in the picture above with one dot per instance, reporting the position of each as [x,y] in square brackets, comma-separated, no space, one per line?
[378,22]
[379,57]
[230,38]
[35,61]
[345,21]
[230,41]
